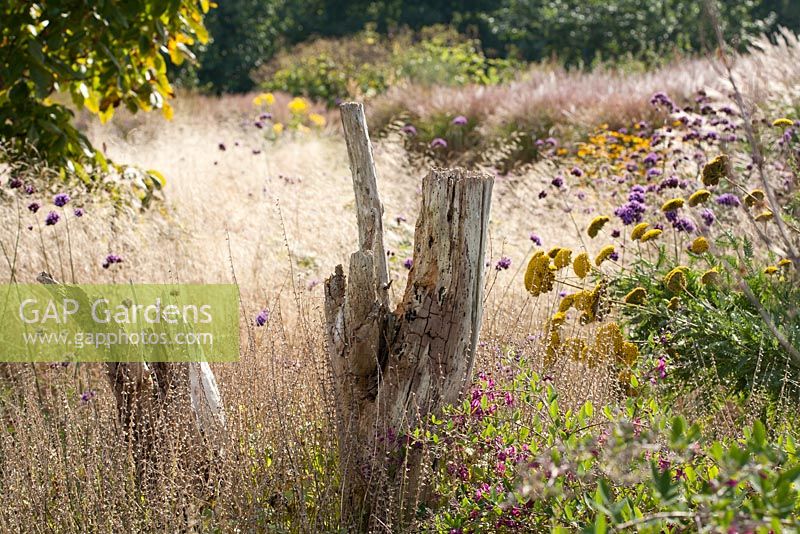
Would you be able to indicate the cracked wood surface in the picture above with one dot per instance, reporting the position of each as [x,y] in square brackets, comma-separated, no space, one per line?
[392,369]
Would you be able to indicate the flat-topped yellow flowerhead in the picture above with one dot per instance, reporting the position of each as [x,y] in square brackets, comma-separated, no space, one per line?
[563,258]
[715,170]
[782,122]
[699,245]
[698,197]
[764,216]
[675,280]
[635,296]
[639,230]
[672,204]
[566,302]
[604,254]
[581,265]
[710,277]
[608,339]
[771,270]
[651,234]
[754,197]
[264,99]
[552,348]
[596,225]
[540,275]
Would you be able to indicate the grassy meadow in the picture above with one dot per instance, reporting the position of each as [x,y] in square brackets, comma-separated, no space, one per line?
[651,386]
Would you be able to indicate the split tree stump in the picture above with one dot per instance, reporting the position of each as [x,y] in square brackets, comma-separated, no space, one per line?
[393,368]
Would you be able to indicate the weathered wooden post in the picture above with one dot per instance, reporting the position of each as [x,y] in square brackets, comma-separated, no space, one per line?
[392,368]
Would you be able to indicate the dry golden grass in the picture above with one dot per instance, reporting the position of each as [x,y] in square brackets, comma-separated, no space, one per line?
[277,223]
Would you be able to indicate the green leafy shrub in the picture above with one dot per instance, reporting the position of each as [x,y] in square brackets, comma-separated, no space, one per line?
[511,458]
[367,64]
[101,57]
[443,57]
[709,330]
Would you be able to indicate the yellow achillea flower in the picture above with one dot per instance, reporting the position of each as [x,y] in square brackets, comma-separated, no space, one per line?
[277,128]
[551,350]
[629,353]
[563,258]
[771,270]
[651,234]
[674,303]
[298,105]
[553,251]
[715,169]
[782,122]
[698,197]
[317,119]
[764,216]
[539,277]
[588,302]
[558,319]
[753,197]
[675,280]
[596,225]
[581,265]
[635,296]
[784,262]
[608,339]
[264,99]
[672,204]
[710,277]
[603,255]
[530,271]
[639,230]
[566,302]
[699,245]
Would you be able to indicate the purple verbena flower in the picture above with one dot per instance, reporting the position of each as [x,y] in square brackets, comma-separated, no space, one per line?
[33,207]
[222,147]
[684,225]
[78,212]
[630,212]
[52,218]
[661,99]
[460,120]
[614,256]
[536,239]
[669,183]
[409,129]
[576,171]
[728,199]
[542,194]
[651,159]
[708,216]
[408,263]
[29,189]
[61,200]
[15,183]
[438,143]
[503,264]
[87,395]
[558,181]
[111,259]
[262,317]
